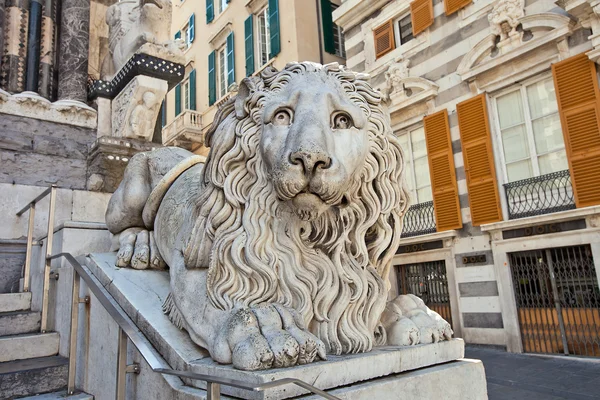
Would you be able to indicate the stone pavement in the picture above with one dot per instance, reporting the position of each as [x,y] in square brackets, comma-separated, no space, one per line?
[527,377]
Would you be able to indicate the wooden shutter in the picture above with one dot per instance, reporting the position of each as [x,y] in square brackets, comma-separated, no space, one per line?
[192,28]
[452,6]
[274,28]
[178,99]
[210,11]
[578,100]
[212,79]
[327,23]
[441,169]
[230,60]
[478,157]
[384,38]
[421,13]
[249,44]
[177,35]
[192,92]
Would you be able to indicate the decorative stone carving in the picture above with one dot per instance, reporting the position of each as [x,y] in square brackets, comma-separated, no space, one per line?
[401,90]
[279,244]
[135,110]
[504,19]
[139,26]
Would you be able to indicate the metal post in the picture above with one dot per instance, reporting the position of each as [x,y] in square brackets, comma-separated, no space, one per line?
[27,270]
[73,334]
[213,390]
[121,365]
[561,323]
[48,262]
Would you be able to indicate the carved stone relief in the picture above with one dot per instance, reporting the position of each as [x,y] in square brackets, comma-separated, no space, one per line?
[504,20]
[401,90]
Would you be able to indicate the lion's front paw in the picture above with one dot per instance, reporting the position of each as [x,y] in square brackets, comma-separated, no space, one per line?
[267,336]
[138,250]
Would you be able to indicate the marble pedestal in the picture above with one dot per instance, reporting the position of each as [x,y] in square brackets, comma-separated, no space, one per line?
[417,372]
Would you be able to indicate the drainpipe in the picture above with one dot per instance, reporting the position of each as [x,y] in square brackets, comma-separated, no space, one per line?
[320,29]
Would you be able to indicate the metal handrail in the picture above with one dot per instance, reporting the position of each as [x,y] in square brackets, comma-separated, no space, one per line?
[50,236]
[128,330]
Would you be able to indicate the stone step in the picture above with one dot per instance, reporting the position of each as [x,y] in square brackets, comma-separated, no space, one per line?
[36,375]
[29,345]
[17,322]
[62,395]
[15,301]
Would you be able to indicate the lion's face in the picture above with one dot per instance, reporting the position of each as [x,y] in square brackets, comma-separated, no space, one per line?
[314,142]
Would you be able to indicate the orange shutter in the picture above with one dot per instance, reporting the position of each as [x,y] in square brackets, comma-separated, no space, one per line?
[452,6]
[384,38]
[578,99]
[441,169]
[478,157]
[421,12]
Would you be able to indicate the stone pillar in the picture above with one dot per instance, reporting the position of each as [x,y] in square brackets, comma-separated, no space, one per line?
[2,23]
[12,72]
[47,79]
[73,53]
[33,46]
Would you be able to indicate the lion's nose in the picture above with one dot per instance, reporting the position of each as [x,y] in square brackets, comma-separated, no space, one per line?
[310,161]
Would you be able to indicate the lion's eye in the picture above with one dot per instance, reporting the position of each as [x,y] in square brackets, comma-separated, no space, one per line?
[282,117]
[342,121]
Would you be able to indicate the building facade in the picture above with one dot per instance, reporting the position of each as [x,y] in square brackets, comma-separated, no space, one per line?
[496,105]
[227,40]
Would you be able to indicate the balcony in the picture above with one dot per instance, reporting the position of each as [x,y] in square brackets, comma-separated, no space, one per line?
[419,220]
[185,131]
[543,194]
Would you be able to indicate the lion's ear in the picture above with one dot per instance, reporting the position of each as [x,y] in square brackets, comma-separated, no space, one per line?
[246,88]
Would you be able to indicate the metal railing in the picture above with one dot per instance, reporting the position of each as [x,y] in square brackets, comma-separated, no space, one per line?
[419,220]
[543,194]
[127,328]
[27,270]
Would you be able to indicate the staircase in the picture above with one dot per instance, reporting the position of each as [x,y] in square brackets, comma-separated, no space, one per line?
[29,360]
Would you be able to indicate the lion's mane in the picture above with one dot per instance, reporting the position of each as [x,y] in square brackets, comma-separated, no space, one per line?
[333,270]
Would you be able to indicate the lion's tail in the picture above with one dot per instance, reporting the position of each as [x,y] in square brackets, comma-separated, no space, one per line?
[170,308]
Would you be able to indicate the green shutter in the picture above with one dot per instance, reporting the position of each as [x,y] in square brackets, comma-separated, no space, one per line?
[177,35]
[327,26]
[249,44]
[212,79]
[210,11]
[274,27]
[177,99]
[192,93]
[192,28]
[230,61]
[163,113]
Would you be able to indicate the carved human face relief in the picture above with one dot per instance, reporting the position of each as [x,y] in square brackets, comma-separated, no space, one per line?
[314,142]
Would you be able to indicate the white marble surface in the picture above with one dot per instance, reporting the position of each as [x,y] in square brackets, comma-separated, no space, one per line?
[141,294]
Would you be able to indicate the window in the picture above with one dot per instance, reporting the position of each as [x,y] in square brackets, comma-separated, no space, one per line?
[338,37]
[222,71]
[221,5]
[416,165]
[186,94]
[403,29]
[263,37]
[530,131]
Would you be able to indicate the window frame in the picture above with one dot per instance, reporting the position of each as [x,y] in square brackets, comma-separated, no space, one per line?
[221,67]
[396,25]
[221,6]
[497,135]
[186,94]
[409,157]
[258,49]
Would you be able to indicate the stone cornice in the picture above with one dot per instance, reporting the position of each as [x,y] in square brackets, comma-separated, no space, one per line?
[352,12]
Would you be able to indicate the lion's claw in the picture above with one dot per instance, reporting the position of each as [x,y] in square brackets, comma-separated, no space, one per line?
[138,250]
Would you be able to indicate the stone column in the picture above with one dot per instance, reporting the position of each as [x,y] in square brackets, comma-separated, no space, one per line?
[73,53]
[2,23]
[33,46]
[47,85]
[12,71]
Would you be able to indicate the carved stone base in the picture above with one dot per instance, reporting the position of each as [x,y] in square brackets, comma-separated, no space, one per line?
[135,110]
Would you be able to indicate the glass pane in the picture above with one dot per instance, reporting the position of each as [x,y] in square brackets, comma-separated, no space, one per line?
[419,146]
[422,172]
[222,73]
[548,134]
[405,29]
[514,141]
[510,109]
[519,170]
[424,194]
[541,98]
[552,162]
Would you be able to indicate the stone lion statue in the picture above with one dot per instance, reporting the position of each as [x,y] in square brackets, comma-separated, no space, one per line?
[280,242]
